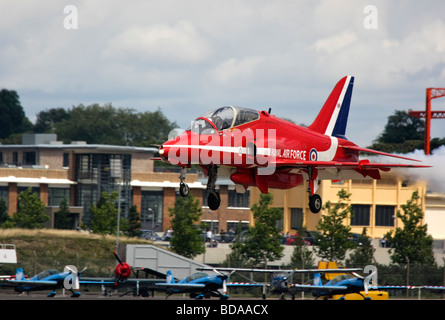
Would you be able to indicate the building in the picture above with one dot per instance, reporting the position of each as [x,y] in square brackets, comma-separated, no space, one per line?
[374,203]
[80,172]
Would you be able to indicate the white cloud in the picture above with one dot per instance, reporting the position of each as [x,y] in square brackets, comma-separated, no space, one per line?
[335,43]
[180,54]
[169,44]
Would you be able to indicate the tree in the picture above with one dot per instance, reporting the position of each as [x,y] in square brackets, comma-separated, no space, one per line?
[402,134]
[13,119]
[187,239]
[63,219]
[411,243]
[107,125]
[31,211]
[302,257]
[335,242]
[363,254]
[104,215]
[46,120]
[263,241]
[134,223]
[5,218]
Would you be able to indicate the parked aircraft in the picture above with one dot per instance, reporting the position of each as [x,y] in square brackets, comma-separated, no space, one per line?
[282,279]
[49,279]
[201,285]
[121,279]
[255,148]
[345,284]
[198,284]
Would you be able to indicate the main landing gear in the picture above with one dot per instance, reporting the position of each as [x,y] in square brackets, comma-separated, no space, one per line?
[315,202]
[213,198]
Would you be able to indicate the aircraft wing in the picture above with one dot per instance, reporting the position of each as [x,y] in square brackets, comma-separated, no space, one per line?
[310,288]
[97,282]
[28,283]
[436,289]
[180,285]
[110,282]
[283,270]
[245,284]
[337,170]
[363,164]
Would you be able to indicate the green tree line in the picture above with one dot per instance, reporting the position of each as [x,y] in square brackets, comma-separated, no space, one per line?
[106,124]
[95,124]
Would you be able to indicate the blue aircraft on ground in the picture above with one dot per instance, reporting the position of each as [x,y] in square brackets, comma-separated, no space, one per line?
[201,285]
[48,279]
[281,280]
[342,285]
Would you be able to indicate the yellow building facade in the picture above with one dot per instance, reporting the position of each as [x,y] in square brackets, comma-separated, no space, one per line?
[374,203]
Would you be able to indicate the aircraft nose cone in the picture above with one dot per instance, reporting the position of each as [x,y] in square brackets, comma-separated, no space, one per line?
[163,151]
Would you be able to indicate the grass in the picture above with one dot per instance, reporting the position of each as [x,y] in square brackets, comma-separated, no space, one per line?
[41,249]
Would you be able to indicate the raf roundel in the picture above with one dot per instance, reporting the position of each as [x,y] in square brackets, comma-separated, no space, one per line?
[313,156]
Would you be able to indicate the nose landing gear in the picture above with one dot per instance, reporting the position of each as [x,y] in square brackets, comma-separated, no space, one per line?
[184,188]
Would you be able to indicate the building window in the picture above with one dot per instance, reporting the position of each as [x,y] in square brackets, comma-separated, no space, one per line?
[239,200]
[96,173]
[280,222]
[384,216]
[56,195]
[360,215]
[4,195]
[237,226]
[151,210]
[296,218]
[66,160]
[15,158]
[29,158]
[212,225]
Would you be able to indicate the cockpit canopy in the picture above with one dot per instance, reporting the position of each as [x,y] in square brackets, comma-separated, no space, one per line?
[46,273]
[222,118]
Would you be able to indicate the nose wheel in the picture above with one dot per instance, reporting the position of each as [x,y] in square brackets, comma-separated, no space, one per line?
[184,188]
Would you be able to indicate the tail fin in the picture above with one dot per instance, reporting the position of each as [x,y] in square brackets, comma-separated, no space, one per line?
[317,279]
[170,278]
[333,117]
[19,274]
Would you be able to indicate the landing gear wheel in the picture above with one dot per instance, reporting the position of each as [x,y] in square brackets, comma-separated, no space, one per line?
[184,189]
[315,203]
[213,200]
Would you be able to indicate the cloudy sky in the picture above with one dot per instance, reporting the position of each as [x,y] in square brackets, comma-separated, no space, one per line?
[186,57]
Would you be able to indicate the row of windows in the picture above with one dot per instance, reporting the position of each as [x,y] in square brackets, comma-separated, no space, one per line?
[384,215]
[29,158]
[361,216]
[236,199]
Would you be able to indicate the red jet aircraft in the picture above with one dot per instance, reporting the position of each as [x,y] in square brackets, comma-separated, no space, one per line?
[255,148]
